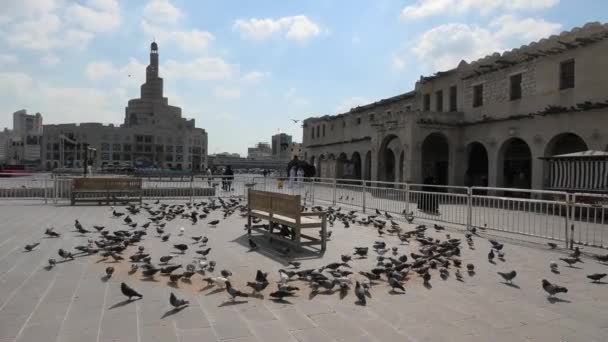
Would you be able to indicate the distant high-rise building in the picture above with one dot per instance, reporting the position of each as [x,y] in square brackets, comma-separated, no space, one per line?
[21,145]
[280,146]
[261,151]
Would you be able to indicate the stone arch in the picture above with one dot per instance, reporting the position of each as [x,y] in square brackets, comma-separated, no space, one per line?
[367,174]
[435,158]
[342,164]
[387,158]
[476,173]
[514,165]
[356,162]
[565,143]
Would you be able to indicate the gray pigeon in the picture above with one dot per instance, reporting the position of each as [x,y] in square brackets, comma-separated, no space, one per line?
[509,276]
[129,292]
[553,289]
[177,303]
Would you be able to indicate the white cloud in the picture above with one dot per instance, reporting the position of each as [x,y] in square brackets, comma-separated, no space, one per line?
[6,59]
[203,69]
[291,95]
[50,59]
[98,16]
[527,29]
[188,40]
[45,32]
[427,8]
[227,93]
[398,63]
[17,9]
[444,46]
[298,28]
[254,76]
[161,11]
[130,75]
[15,82]
[351,102]
[99,70]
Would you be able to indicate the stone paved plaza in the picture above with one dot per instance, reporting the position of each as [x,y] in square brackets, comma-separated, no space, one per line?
[72,302]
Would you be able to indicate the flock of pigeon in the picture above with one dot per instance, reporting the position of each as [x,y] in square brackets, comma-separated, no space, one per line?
[391,267]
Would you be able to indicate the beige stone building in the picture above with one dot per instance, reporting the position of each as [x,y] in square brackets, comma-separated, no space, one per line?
[153,134]
[487,122]
[21,145]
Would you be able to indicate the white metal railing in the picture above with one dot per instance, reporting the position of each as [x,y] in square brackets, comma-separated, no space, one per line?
[555,215]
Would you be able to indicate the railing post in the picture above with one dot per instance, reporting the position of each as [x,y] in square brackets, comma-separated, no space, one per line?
[570,214]
[407,198]
[469,207]
[312,196]
[45,190]
[363,195]
[333,200]
[191,188]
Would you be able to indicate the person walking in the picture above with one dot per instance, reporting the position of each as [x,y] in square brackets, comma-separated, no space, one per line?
[300,176]
[209,176]
[228,176]
[292,176]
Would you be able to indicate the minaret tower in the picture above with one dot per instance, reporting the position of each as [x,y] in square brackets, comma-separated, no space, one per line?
[153,88]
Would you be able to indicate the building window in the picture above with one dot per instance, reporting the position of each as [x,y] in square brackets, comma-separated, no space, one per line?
[371,117]
[439,101]
[408,108]
[148,139]
[147,148]
[115,156]
[179,149]
[566,74]
[331,127]
[115,147]
[515,92]
[478,95]
[169,157]
[453,99]
[426,102]
[170,148]
[159,148]
[105,147]
[358,121]
[105,156]
[139,148]
[127,147]
[312,133]
[323,129]
[139,138]
[179,158]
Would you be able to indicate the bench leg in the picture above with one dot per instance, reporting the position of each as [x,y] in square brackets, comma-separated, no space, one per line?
[297,238]
[323,234]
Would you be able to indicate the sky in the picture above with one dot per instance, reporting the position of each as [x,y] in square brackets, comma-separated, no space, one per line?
[242,68]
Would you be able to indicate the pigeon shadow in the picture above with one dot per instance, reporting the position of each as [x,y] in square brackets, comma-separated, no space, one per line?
[492,262]
[207,287]
[599,282]
[105,278]
[48,267]
[360,303]
[150,279]
[556,271]
[232,302]
[268,249]
[511,285]
[218,290]
[123,303]
[428,286]
[174,285]
[393,292]
[173,311]
[554,300]
[575,267]
[281,301]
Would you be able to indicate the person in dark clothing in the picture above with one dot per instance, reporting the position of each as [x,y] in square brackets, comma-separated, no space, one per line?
[424,200]
[227,179]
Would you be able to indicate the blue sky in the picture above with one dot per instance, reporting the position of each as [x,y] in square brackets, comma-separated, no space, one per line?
[244,68]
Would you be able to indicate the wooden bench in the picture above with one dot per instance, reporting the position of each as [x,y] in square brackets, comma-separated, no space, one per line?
[286,210]
[108,190]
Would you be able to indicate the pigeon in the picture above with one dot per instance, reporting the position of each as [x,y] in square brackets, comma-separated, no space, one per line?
[182,247]
[426,277]
[65,254]
[596,277]
[234,292]
[295,264]
[52,263]
[570,261]
[257,286]
[281,294]
[169,269]
[226,273]
[177,303]
[346,258]
[129,292]
[553,289]
[174,277]
[261,277]
[80,228]
[29,248]
[149,273]
[109,271]
[458,275]
[395,284]
[99,228]
[165,259]
[165,238]
[552,245]
[252,245]
[509,276]
[50,232]
[360,293]
[491,255]
[204,252]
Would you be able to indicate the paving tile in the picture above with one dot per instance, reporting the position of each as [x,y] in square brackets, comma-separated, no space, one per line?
[337,326]
[294,319]
[271,331]
[312,335]
[197,335]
